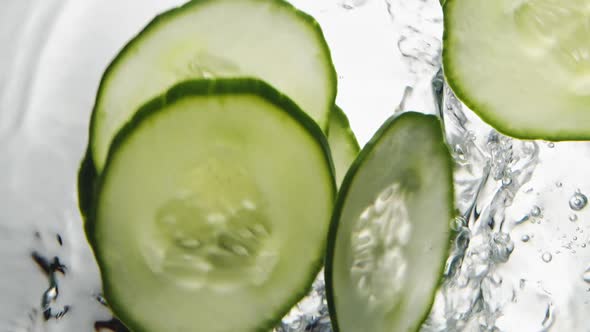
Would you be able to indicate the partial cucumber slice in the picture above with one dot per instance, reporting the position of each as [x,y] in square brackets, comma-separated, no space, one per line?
[343,143]
[212,210]
[265,39]
[522,66]
[86,184]
[389,236]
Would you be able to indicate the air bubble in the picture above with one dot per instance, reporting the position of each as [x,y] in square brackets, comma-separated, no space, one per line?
[525,238]
[578,201]
[458,223]
[546,257]
[573,217]
[586,275]
[536,211]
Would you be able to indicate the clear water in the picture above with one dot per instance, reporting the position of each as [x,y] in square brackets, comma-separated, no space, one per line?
[520,259]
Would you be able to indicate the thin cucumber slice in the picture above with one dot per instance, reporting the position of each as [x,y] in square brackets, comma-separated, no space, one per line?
[343,143]
[522,66]
[212,211]
[389,236]
[265,39]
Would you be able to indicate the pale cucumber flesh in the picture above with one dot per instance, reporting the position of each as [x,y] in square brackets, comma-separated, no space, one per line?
[523,66]
[389,235]
[208,195]
[265,39]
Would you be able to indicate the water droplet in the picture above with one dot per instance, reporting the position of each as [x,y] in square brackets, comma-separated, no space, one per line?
[573,217]
[525,238]
[575,238]
[523,219]
[551,145]
[506,181]
[549,317]
[535,211]
[583,245]
[586,275]
[578,201]
[546,257]
[558,184]
[458,223]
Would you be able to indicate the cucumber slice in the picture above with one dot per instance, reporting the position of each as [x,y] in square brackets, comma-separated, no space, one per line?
[389,236]
[265,39]
[522,66]
[343,143]
[212,210]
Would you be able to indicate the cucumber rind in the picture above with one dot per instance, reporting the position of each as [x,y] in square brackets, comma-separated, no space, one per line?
[499,123]
[388,125]
[90,184]
[160,18]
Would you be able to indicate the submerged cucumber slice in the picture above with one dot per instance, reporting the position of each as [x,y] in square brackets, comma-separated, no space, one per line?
[522,66]
[389,236]
[212,210]
[343,143]
[265,39]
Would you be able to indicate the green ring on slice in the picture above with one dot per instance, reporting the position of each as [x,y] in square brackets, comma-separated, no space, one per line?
[212,210]
[265,39]
[522,66]
[389,236]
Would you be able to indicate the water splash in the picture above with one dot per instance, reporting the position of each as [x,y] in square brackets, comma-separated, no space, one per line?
[490,171]
[310,314]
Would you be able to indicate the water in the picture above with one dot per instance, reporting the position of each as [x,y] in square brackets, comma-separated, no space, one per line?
[519,261]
